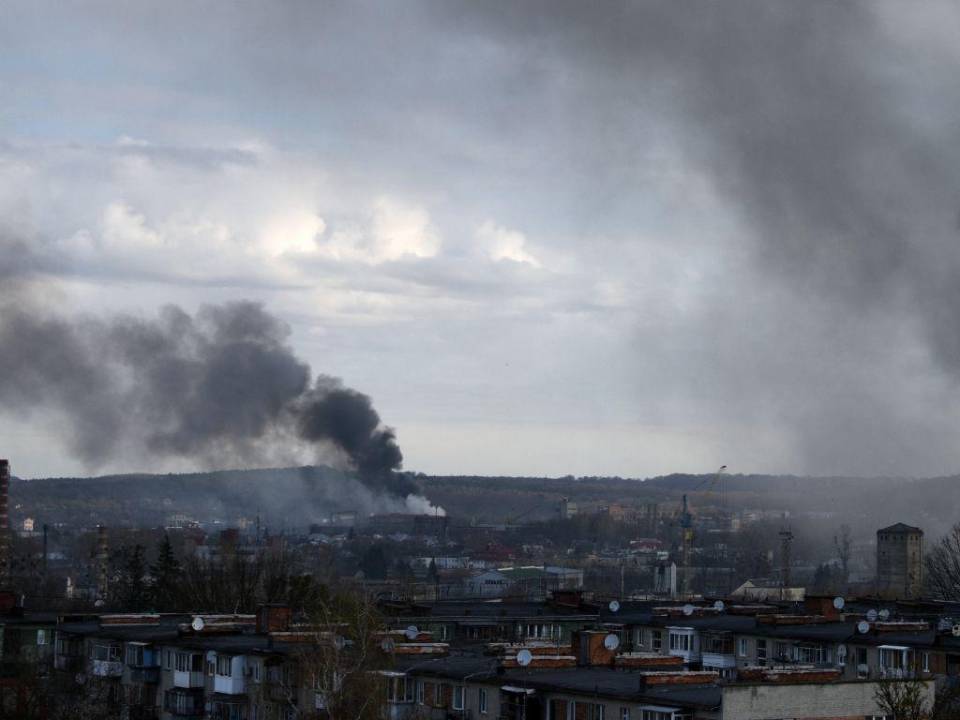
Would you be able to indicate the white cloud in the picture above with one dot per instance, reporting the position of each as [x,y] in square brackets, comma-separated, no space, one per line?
[502,243]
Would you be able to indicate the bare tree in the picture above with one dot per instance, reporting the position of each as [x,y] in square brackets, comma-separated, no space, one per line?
[843,542]
[334,657]
[943,567]
[903,699]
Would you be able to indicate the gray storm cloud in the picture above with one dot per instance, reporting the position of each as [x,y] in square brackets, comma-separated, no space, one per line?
[219,387]
[832,137]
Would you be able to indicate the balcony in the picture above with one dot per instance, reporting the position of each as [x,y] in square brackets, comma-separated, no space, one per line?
[185,679]
[183,703]
[106,668]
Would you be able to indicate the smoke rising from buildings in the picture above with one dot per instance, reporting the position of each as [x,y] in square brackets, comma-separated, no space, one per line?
[221,387]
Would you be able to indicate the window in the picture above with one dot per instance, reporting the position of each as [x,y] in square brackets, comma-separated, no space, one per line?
[419,692]
[41,637]
[638,638]
[656,715]
[482,700]
[742,647]
[255,671]
[809,654]
[189,662]
[680,641]
[135,655]
[444,632]
[624,713]
[224,663]
[761,651]
[925,665]
[841,655]
[783,651]
[657,640]
[105,652]
[458,697]
[863,670]
[167,664]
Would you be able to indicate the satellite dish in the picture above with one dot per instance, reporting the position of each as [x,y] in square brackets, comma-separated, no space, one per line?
[719,606]
[197,624]
[839,602]
[611,641]
[411,632]
[387,645]
[863,627]
[524,657]
[955,630]
[884,614]
[614,606]
[688,609]
[872,615]
[80,678]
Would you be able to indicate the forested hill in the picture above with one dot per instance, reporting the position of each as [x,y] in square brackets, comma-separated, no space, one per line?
[298,495]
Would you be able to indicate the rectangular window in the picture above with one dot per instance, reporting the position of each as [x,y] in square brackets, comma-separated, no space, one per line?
[783,651]
[679,642]
[638,638]
[482,700]
[624,713]
[742,647]
[134,655]
[443,632]
[420,692]
[926,662]
[863,670]
[761,651]
[41,637]
[224,663]
[841,655]
[657,640]
[458,697]
[256,672]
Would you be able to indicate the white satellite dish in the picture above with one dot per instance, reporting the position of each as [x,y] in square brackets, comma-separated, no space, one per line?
[411,632]
[872,615]
[688,609]
[839,602]
[197,624]
[863,627]
[884,614]
[611,641]
[524,657]
[387,645]
[955,630]
[614,606]
[719,606]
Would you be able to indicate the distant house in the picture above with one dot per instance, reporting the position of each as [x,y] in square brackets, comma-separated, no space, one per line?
[766,590]
[528,581]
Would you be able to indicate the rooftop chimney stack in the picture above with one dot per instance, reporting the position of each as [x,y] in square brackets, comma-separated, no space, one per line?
[4,524]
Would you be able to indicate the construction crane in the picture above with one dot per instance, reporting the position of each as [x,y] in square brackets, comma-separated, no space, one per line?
[712,482]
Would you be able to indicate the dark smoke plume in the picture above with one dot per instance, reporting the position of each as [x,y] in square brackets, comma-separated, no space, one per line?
[221,386]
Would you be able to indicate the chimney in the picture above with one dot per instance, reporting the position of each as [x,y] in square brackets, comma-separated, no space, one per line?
[4,524]
[273,617]
[102,562]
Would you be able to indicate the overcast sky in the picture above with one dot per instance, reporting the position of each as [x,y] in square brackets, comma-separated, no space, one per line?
[544,237]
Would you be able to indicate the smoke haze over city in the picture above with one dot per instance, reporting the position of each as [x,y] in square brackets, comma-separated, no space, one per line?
[544,240]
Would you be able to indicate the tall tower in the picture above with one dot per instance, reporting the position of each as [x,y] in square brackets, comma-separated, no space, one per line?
[686,540]
[103,563]
[4,524]
[900,562]
[786,552]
